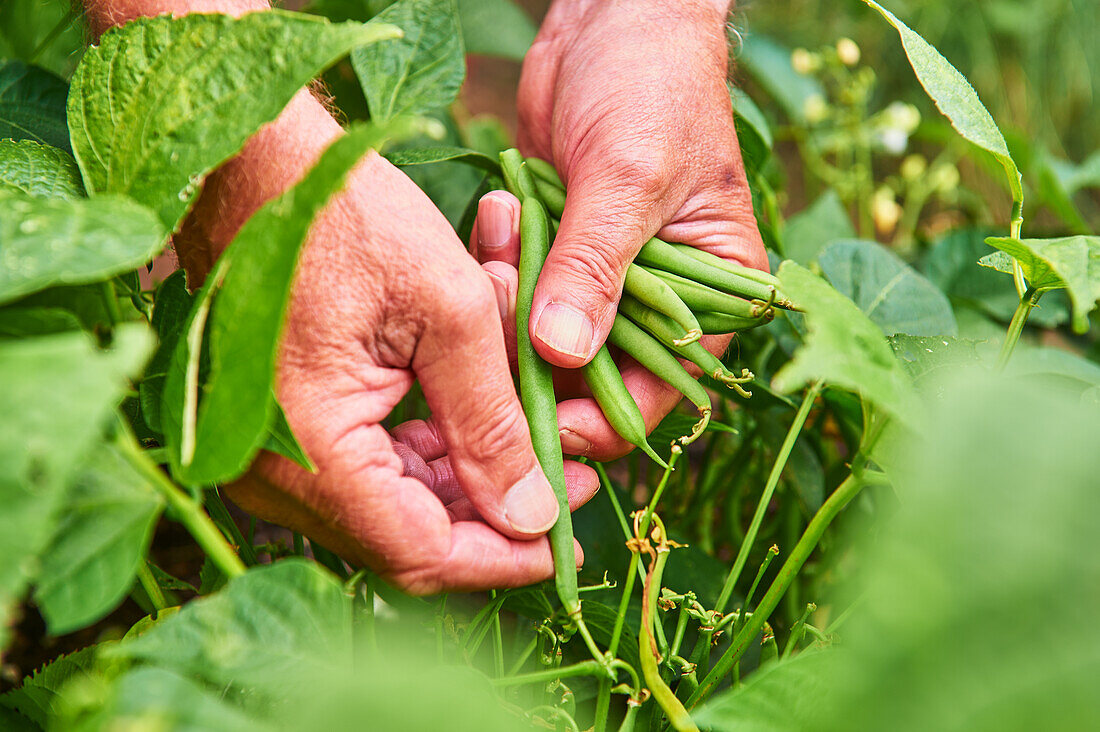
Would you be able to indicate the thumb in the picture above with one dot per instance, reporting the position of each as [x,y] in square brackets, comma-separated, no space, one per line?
[464,374]
[606,220]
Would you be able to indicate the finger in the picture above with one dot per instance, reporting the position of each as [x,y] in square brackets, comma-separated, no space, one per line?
[581,484]
[505,281]
[422,437]
[610,213]
[495,236]
[479,559]
[463,370]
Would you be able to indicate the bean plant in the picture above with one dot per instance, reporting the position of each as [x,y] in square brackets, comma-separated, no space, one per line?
[876,510]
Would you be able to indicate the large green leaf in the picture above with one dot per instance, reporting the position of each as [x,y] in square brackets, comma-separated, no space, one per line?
[17,322]
[808,232]
[496,28]
[280,621]
[163,101]
[216,440]
[843,347]
[45,242]
[933,357]
[1071,262]
[779,698]
[419,72]
[170,314]
[887,290]
[49,34]
[954,96]
[38,170]
[32,104]
[103,533]
[38,694]
[443,153]
[156,699]
[56,391]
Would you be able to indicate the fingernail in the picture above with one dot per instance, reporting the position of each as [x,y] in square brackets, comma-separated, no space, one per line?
[574,444]
[565,329]
[530,505]
[500,289]
[495,223]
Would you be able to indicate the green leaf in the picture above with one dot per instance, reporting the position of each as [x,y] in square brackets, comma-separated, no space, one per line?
[887,290]
[49,34]
[57,391]
[281,440]
[808,232]
[46,242]
[156,699]
[32,104]
[995,538]
[952,266]
[442,153]
[17,322]
[745,109]
[933,356]
[843,348]
[216,440]
[170,314]
[790,695]
[161,102]
[104,531]
[770,65]
[285,620]
[954,96]
[38,170]
[496,28]
[419,72]
[1071,262]
[38,695]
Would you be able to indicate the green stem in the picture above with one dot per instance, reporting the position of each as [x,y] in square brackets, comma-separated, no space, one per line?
[678,717]
[1019,318]
[766,496]
[110,302]
[220,514]
[523,656]
[62,24]
[149,584]
[498,640]
[810,538]
[188,511]
[1014,231]
[584,668]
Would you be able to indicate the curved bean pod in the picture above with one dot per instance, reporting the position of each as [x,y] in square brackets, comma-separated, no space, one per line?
[603,378]
[649,289]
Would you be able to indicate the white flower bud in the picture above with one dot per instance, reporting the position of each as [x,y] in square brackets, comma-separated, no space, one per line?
[913,167]
[815,108]
[847,51]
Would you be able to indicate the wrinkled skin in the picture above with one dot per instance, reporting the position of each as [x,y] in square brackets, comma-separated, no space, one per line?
[385,294]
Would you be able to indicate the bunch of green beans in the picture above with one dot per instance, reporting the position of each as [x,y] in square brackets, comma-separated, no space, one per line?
[673,294]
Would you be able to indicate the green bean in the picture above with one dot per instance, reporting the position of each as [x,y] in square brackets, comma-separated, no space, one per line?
[701,298]
[664,330]
[654,357]
[649,289]
[722,323]
[757,275]
[537,396]
[662,255]
[603,378]
[554,198]
[546,172]
[517,178]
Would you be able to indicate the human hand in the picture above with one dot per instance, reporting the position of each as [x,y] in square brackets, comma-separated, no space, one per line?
[640,127]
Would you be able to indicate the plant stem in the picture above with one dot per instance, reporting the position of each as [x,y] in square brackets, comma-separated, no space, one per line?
[766,496]
[1019,318]
[110,302]
[1015,228]
[810,538]
[220,514]
[149,584]
[62,24]
[498,640]
[187,510]
[584,668]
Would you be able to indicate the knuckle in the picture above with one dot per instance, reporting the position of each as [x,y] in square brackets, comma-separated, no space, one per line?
[495,435]
[469,304]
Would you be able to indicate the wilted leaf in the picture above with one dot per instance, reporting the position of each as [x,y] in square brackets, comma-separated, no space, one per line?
[185,93]
[887,290]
